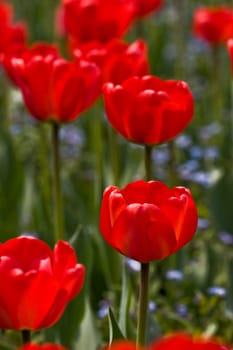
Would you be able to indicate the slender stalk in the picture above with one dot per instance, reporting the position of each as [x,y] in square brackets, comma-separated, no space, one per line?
[216,83]
[115,157]
[26,336]
[4,102]
[143,305]
[231,132]
[148,162]
[144,273]
[44,176]
[171,173]
[179,38]
[58,204]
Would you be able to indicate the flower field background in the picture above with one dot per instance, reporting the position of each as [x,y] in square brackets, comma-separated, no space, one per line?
[191,290]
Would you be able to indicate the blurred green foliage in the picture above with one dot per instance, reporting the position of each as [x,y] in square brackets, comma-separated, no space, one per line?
[26,198]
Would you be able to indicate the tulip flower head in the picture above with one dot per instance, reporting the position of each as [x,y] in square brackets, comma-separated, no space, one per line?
[12,36]
[38,282]
[176,341]
[55,89]
[184,341]
[101,20]
[148,110]
[122,345]
[38,49]
[213,24]
[117,60]
[147,221]
[49,346]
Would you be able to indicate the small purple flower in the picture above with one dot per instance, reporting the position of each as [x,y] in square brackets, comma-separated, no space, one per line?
[103,309]
[181,310]
[202,178]
[196,152]
[203,224]
[152,306]
[226,237]
[210,130]
[161,155]
[211,153]
[174,275]
[217,291]
[133,265]
[188,167]
[183,141]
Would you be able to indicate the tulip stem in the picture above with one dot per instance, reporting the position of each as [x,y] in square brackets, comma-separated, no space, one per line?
[115,156]
[143,305]
[148,162]
[144,273]
[26,336]
[58,205]
[231,128]
[179,31]
[216,82]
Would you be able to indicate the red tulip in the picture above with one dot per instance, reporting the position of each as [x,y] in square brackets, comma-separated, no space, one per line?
[184,342]
[122,345]
[178,341]
[117,60]
[12,37]
[146,7]
[213,24]
[6,13]
[38,49]
[147,221]
[101,20]
[148,110]
[38,282]
[42,347]
[55,89]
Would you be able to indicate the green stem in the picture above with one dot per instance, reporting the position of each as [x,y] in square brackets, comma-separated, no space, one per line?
[4,102]
[115,156]
[216,83]
[144,273]
[44,177]
[179,38]
[26,336]
[172,174]
[143,304]
[148,162]
[230,146]
[58,205]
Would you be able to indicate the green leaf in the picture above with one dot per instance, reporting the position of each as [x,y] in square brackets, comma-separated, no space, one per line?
[220,202]
[124,303]
[229,300]
[114,330]
[89,336]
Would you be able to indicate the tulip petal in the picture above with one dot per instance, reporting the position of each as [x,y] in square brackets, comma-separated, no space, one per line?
[143,233]
[27,250]
[35,82]
[140,191]
[178,111]
[43,296]
[68,272]
[118,103]
[182,214]
[76,85]
[105,221]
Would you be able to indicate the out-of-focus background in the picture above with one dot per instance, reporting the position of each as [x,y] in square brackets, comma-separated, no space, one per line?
[192,290]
